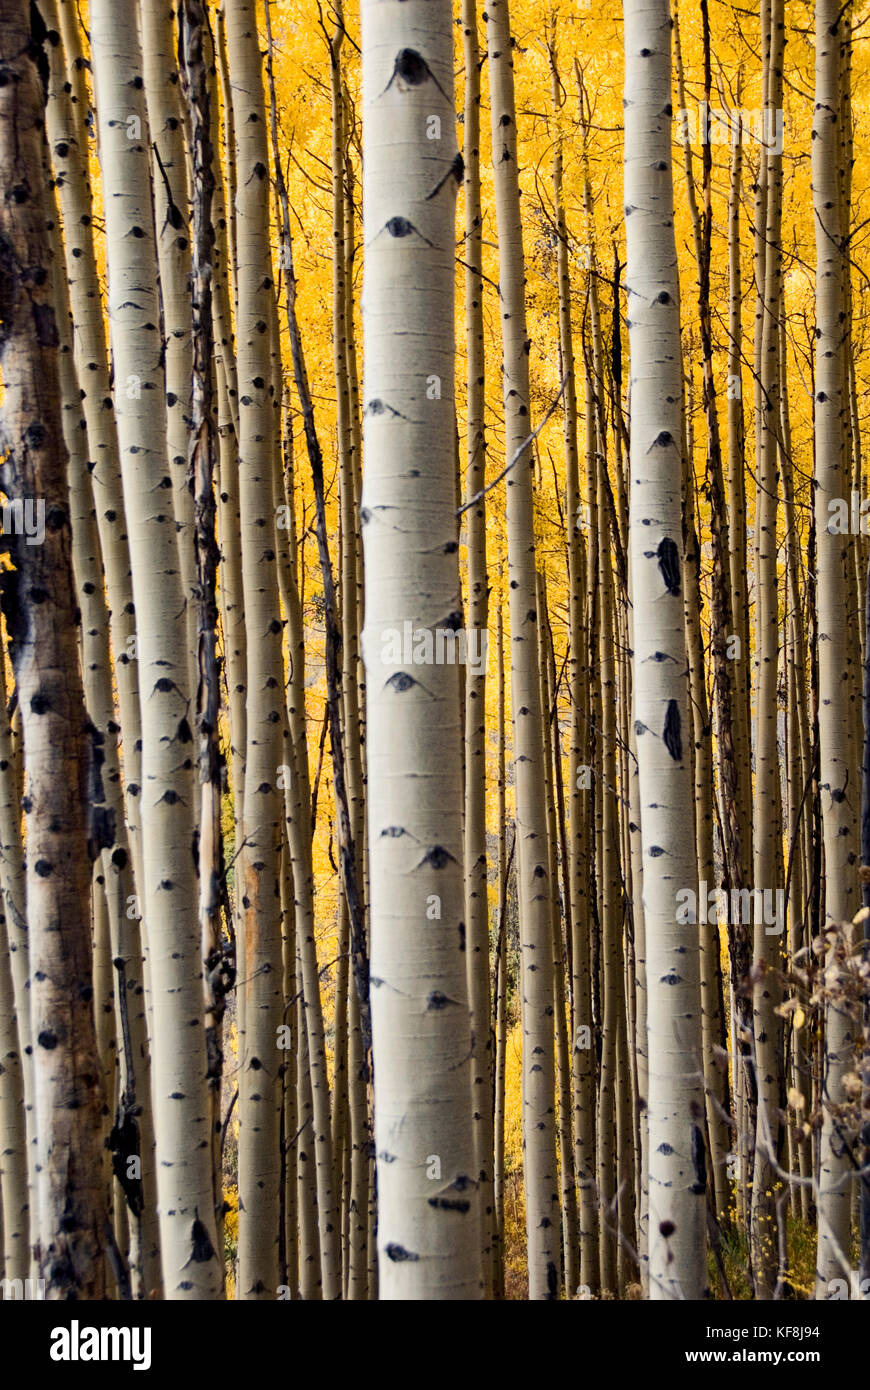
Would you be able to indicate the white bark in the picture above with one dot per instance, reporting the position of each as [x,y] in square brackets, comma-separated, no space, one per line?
[428,1231]
[675,1096]
[838,755]
[168,886]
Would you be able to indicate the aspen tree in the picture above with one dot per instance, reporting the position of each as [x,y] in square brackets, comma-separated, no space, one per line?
[347,593]
[14,906]
[347,430]
[171,184]
[69,1225]
[192,52]
[732,774]
[610,895]
[130,1144]
[296,802]
[588,861]
[289,1266]
[68,117]
[675,1100]
[501,973]
[711,980]
[259,1087]
[14,1191]
[536,987]
[798,770]
[736,485]
[428,1217]
[168,891]
[476,907]
[361,1196]
[556,807]
[310,1277]
[766,808]
[839,818]
[582,1054]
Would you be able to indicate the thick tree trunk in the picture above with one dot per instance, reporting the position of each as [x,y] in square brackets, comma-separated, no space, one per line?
[191,1268]
[428,1194]
[839,807]
[70,1220]
[675,1101]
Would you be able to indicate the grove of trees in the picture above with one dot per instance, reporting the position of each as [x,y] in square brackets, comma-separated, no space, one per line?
[435,672]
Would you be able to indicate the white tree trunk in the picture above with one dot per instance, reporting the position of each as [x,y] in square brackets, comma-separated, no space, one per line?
[838,755]
[428,1223]
[675,1097]
[168,887]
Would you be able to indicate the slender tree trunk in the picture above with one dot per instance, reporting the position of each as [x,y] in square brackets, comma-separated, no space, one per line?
[539,1139]
[259,1083]
[476,904]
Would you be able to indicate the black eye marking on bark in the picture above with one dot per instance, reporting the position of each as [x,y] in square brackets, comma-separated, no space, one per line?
[378,407]
[398,1254]
[661,656]
[639,728]
[401,682]
[699,1162]
[456,171]
[671,979]
[438,857]
[411,68]
[400,227]
[202,1249]
[671,734]
[669,565]
[393,832]
[450,1204]
[666,1229]
[656,851]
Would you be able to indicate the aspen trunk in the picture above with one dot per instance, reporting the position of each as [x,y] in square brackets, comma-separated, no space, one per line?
[69,1227]
[539,1139]
[839,817]
[766,960]
[168,890]
[259,1084]
[676,1145]
[476,905]
[428,1194]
